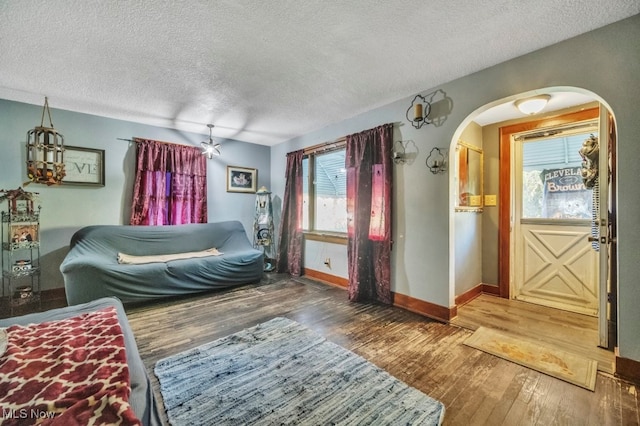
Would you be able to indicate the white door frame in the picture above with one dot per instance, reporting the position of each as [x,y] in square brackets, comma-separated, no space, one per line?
[603,234]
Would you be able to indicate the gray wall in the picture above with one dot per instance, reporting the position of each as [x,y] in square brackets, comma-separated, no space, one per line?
[420,230]
[68,208]
[605,61]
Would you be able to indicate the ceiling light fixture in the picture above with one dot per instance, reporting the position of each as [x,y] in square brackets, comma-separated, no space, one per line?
[209,148]
[532,105]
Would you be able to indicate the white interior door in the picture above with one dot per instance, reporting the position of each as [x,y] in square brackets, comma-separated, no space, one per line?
[554,263]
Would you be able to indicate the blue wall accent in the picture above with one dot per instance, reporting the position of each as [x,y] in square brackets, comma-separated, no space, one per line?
[67,208]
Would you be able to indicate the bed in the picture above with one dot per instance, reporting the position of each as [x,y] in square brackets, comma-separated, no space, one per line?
[141,401]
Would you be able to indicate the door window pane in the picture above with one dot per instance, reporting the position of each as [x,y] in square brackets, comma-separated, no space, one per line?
[552,186]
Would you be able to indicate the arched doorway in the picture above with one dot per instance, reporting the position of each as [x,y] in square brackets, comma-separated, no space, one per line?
[498,122]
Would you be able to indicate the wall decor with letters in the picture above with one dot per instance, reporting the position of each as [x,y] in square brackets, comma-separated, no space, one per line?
[83,166]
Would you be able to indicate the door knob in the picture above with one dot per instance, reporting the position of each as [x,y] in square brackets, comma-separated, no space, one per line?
[602,240]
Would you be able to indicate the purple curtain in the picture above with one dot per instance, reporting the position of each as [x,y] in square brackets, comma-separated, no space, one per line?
[369,185]
[290,239]
[188,202]
[170,186]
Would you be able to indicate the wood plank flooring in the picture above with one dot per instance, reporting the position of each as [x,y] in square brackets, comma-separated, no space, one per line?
[476,388]
[568,331]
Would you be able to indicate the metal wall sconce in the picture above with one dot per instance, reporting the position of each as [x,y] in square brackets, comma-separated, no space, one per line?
[437,161]
[404,152]
[399,153]
[419,111]
[45,149]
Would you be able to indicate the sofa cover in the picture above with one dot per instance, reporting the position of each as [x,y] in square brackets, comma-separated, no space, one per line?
[91,269]
[142,398]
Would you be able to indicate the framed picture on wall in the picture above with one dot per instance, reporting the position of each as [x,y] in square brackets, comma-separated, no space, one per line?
[24,234]
[241,179]
[83,166]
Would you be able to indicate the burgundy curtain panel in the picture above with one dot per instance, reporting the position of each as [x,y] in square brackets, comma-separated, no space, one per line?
[290,238]
[188,195]
[369,186]
[170,186]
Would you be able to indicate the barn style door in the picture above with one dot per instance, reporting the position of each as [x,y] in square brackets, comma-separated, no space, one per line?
[554,262]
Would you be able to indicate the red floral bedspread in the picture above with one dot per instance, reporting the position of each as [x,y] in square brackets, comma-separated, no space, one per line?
[67,372]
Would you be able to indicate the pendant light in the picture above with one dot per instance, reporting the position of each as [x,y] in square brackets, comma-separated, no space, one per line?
[45,148]
[210,148]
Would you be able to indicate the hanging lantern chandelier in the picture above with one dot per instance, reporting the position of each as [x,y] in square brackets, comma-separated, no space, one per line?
[45,149]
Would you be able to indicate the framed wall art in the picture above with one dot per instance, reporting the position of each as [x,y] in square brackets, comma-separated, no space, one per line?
[83,166]
[241,179]
[22,233]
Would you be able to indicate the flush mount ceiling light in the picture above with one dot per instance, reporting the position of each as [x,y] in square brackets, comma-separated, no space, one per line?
[210,148]
[532,105]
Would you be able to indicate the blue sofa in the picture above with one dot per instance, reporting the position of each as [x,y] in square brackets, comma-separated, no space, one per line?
[91,269]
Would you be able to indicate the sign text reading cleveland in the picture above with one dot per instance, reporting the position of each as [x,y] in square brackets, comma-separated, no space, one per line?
[564,180]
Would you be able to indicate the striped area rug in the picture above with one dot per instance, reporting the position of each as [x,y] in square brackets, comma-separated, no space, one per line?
[280,372]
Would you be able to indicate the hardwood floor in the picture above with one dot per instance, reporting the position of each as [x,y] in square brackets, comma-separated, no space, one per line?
[571,332]
[476,388]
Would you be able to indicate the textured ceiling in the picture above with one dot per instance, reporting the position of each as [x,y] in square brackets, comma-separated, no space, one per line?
[265,71]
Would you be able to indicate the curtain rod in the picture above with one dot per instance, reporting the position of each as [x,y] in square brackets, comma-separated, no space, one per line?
[325,146]
[137,140]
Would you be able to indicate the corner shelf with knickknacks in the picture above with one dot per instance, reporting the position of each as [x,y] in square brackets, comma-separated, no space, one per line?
[20,232]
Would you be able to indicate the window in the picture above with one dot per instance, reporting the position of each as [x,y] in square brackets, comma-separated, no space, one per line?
[325,191]
[552,186]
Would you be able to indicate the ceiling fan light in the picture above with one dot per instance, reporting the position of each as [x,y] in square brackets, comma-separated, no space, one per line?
[532,105]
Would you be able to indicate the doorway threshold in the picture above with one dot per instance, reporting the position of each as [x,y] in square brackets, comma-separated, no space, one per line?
[568,331]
